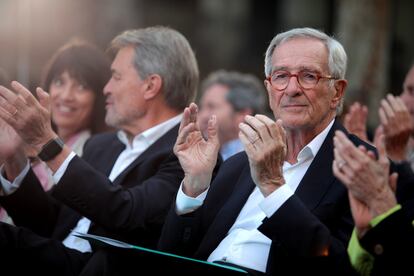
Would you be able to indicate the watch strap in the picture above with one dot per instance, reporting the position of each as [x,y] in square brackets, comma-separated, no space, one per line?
[51,149]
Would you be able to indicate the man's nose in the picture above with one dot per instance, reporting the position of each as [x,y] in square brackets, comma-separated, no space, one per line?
[293,86]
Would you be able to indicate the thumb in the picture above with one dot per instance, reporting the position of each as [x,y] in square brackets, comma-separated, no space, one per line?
[43,97]
[378,132]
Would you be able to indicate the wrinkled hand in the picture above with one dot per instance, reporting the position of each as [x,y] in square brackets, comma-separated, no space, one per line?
[265,143]
[355,121]
[361,214]
[367,179]
[197,156]
[397,126]
[12,151]
[10,142]
[26,115]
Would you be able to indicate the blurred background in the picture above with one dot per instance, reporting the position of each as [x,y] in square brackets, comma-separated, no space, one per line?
[225,34]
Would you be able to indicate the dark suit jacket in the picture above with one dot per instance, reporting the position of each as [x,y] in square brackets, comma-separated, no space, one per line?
[132,208]
[315,218]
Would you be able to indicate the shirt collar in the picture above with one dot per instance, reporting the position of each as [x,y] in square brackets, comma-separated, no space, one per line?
[150,135]
[230,148]
[311,149]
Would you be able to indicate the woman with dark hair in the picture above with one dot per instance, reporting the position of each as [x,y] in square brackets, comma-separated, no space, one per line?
[75,77]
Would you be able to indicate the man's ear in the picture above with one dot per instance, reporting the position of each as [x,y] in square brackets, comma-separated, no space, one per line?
[267,85]
[153,86]
[340,86]
[270,94]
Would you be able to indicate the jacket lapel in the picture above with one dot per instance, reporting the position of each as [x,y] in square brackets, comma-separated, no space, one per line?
[164,143]
[107,156]
[319,176]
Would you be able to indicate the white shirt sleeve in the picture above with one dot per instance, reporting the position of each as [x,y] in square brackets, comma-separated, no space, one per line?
[272,202]
[185,204]
[8,187]
[62,169]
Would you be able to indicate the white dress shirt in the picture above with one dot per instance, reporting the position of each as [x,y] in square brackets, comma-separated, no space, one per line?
[140,143]
[244,245]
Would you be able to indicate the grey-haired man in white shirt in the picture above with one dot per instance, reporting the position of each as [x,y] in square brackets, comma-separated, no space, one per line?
[279,198]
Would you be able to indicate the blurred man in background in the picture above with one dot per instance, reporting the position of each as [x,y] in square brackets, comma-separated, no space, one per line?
[230,96]
[396,115]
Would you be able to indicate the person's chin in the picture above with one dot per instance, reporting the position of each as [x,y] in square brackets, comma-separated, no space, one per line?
[294,122]
[110,120]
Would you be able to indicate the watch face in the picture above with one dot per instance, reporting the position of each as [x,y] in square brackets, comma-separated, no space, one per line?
[51,149]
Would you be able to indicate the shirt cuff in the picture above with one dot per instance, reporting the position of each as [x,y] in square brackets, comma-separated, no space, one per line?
[185,204]
[360,259]
[375,221]
[10,187]
[272,202]
[62,169]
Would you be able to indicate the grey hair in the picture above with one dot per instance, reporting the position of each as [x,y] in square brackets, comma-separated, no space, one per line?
[245,90]
[167,53]
[337,58]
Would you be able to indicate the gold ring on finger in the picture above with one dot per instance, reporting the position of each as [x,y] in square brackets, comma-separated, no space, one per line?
[341,164]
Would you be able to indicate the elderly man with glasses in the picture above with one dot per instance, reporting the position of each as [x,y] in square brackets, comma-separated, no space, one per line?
[279,198]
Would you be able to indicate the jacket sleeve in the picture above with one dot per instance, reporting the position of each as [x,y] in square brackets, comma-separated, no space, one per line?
[31,207]
[115,207]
